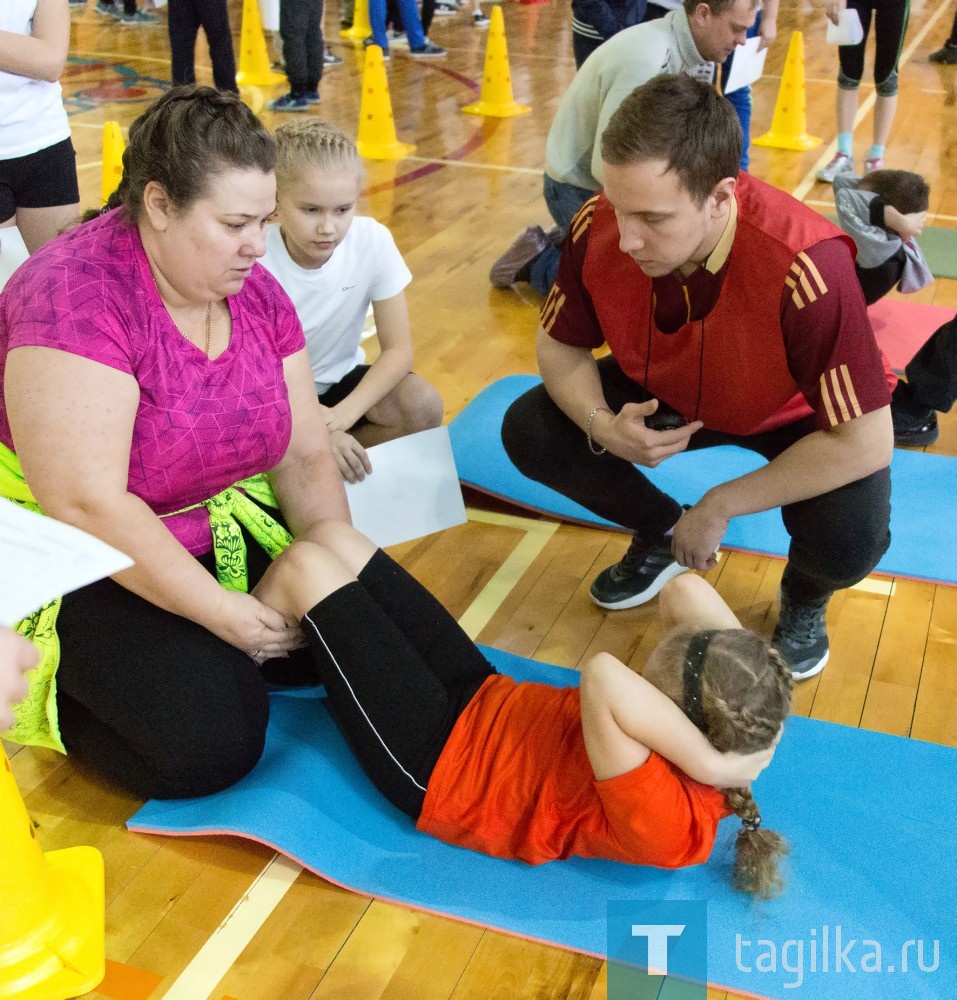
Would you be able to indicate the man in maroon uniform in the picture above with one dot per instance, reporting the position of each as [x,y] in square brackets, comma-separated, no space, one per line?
[733,317]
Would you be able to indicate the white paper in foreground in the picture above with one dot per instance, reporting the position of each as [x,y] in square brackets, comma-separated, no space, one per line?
[41,558]
[747,65]
[848,30]
[413,490]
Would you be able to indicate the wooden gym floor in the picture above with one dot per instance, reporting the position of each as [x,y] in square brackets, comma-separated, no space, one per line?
[518,583]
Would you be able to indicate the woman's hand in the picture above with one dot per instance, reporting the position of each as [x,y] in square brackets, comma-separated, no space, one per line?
[254,627]
[351,457]
[17,656]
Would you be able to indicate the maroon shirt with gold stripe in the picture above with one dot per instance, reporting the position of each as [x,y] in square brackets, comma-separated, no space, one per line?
[771,328]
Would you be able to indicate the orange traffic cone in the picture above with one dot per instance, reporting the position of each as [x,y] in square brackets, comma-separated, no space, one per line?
[113,147]
[496,99]
[377,139]
[789,124]
[53,927]
[361,26]
[254,67]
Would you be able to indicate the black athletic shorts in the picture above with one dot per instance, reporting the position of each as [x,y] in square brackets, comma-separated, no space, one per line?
[44,179]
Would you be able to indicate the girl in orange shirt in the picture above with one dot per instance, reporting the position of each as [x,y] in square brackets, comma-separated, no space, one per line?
[625,767]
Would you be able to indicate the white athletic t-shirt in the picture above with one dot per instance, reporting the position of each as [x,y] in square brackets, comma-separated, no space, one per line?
[32,116]
[332,300]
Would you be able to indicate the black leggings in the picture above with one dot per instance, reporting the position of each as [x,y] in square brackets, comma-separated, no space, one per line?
[398,671]
[837,538]
[890,26]
[185,18]
[156,703]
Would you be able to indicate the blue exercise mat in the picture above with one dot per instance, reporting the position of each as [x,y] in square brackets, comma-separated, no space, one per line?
[870,819]
[923,507]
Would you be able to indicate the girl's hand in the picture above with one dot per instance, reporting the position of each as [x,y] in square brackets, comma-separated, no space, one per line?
[833,9]
[351,457]
[735,770]
[255,628]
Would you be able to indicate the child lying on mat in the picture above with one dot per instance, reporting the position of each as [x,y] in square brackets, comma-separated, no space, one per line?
[332,264]
[883,212]
[625,767]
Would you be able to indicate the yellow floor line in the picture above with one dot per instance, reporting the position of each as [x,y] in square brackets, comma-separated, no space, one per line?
[876,585]
[810,179]
[227,942]
[537,534]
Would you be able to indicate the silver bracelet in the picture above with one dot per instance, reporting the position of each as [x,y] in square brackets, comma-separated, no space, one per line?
[591,417]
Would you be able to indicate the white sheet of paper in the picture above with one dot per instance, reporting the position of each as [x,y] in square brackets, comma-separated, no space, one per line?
[747,65]
[848,30]
[41,558]
[413,490]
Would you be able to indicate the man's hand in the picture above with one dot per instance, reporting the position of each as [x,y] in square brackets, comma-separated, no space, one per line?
[626,435]
[351,457]
[697,535]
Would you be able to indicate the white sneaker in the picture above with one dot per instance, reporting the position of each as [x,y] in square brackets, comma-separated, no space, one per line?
[873,163]
[841,164]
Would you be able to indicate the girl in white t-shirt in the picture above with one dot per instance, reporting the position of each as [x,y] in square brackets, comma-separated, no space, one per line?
[38,186]
[332,265]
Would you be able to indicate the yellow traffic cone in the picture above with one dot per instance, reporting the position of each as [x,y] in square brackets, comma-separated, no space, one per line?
[377,139]
[254,67]
[361,25]
[113,147]
[789,124]
[53,926]
[496,99]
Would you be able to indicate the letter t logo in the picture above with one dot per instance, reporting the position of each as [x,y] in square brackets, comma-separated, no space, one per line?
[657,935]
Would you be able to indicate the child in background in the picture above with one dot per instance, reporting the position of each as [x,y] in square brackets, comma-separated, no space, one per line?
[883,212]
[303,51]
[333,264]
[625,767]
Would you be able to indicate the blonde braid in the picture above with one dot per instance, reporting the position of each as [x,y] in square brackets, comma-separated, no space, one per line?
[315,143]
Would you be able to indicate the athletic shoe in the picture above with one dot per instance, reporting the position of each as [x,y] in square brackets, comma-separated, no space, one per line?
[873,163]
[526,247]
[312,97]
[289,102]
[914,431]
[78,3]
[108,10]
[428,51]
[366,42]
[800,636]
[445,9]
[139,19]
[480,20]
[841,164]
[947,55]
[398,39]
[329,58]
[644,569]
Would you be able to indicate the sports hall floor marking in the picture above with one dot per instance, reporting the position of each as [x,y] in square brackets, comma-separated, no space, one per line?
[800,192]
[227,942]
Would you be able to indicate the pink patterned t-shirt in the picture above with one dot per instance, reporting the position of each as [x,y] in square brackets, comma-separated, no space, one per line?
[201,425]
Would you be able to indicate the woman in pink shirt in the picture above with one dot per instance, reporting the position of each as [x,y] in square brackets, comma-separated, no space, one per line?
[148,365]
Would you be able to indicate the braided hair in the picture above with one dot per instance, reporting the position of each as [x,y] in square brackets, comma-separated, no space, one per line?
[737,690]
[183,140]
[315,143]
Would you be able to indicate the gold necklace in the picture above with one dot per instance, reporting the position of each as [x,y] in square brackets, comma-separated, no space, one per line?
[209,327]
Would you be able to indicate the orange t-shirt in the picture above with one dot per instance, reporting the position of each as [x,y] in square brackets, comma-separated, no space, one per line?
[514,781]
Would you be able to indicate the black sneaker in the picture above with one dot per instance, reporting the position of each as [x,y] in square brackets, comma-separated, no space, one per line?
[914,431]
[801,638]
[947,55]
[644,569]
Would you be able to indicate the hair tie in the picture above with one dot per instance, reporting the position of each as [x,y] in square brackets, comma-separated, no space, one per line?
[694,659]
[750,825]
